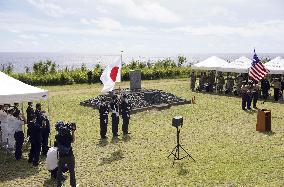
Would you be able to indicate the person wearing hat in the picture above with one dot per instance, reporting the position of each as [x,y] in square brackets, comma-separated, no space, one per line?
[277,86]
[125,109]
[103,110]
[265,87]
[114,115]
[30,112]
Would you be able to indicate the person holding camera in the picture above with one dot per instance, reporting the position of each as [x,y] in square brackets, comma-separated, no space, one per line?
[104,110]
[64,139]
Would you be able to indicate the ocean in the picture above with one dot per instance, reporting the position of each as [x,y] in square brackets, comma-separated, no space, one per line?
[21,60]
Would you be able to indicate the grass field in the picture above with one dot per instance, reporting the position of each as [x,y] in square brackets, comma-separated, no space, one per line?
[216,132]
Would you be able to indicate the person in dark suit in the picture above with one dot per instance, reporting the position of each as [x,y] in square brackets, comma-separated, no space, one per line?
[35,139]
[265,87]
[30,112]
[114,115]
[125,109]
[45,131]
[104,110]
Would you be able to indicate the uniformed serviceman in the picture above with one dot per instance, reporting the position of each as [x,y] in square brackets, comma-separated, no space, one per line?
[245,95]
[104,110]
[38,113]
[220,83]
[30,112]
[250,90]
[255,93]
[192,81]
[35,139]
[45,131]
[114,115]
[125,109]
[265,87]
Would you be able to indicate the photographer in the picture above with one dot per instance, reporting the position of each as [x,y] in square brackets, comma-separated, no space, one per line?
[52,161]
[64,138]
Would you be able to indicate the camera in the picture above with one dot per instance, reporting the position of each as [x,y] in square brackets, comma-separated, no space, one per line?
[177,121]
[65,128]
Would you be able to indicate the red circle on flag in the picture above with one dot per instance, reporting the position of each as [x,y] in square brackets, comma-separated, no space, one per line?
[113,73]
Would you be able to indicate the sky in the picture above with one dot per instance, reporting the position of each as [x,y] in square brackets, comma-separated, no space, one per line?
[142,27]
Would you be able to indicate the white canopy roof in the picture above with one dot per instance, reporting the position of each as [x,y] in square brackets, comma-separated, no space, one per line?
[275,66]
[240,65]
[211,63]
[12,90]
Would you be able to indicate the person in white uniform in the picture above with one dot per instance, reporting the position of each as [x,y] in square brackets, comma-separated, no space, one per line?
[3,124]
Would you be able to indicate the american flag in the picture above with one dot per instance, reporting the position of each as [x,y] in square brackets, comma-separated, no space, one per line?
[257,70]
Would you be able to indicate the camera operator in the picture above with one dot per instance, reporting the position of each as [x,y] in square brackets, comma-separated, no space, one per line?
[64,139]
[52,161]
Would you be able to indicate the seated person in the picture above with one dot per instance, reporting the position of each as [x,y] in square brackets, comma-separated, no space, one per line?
[52,161]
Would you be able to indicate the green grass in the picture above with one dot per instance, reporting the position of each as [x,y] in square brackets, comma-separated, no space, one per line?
[216,132]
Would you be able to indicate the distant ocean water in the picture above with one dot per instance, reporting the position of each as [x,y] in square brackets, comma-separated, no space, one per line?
[73,60]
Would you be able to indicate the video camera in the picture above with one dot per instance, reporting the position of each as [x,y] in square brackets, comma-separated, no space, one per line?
[64,128]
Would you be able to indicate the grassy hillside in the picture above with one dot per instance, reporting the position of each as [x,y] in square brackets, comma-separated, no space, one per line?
[216,132]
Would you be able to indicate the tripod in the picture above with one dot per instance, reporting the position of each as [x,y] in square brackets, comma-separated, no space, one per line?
[176,150]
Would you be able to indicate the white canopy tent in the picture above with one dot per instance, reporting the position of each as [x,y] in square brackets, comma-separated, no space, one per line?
[15,91]
[240,65]
[275,66]
[211,63]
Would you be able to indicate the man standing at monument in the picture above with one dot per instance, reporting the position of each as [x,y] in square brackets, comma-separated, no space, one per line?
[103,109]
[125,109]
[114,115]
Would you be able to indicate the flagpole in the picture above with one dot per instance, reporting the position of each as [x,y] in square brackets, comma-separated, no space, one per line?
[121,52]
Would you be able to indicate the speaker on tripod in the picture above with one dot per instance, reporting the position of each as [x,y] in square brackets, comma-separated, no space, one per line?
[177,122]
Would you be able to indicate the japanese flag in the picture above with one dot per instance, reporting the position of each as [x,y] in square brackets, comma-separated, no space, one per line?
[111,75]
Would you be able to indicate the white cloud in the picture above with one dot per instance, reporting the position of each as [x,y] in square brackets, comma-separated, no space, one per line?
[263,29]
[50,9]
[145,10]
[27,36]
